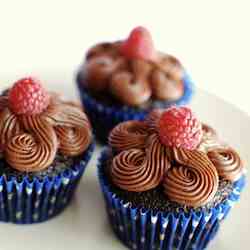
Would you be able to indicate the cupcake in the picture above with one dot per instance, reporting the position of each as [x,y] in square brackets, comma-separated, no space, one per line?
[125,80]
[168,181]
[45,145]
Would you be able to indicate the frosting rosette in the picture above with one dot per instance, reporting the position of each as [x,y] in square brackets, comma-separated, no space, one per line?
[36,125]
[127,135]
[194,182]
[132,71]
[137,170]
[125,80]
[227,162]
[188,164]
[209,140]
[133,81]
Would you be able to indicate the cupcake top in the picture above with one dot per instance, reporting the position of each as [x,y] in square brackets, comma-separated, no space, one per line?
[132,71]
[36,125]
[171,149]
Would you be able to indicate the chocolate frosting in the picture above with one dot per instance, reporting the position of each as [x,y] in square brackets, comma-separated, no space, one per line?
[3,102]
[227,163]
[128,135]
[71,126]
[9,125]
[194,182]
[139,170]
[32,151]
[132,82]
[209,139]
[152,120]
[30,143]
[189,177]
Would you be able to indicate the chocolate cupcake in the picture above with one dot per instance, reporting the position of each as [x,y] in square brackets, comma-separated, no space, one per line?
[124,80]
[45,145]
[168,181]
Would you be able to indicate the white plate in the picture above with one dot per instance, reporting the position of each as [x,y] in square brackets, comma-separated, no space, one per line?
[83,225]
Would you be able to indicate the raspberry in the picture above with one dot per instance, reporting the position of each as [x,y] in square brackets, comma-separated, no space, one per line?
[178,127]
[139,45]
[28,97]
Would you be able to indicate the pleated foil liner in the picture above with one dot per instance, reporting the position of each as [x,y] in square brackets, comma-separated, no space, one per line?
[26,201]
[140,228]
[104,118]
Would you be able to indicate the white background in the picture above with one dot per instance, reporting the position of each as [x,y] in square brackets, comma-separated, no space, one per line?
[210,37]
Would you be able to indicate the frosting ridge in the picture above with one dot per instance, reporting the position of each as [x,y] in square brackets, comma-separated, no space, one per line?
[132,81]
[32,151]
[227,163]
[9,126]
[31,142]
[152,120]
[128,135]
[193,183]
[138,170]
[209,139]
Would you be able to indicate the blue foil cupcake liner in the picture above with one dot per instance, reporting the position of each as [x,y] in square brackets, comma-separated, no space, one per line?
[31,201]
[105,117]
[140,228]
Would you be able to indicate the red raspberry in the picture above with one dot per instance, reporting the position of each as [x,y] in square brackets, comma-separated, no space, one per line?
[178,127]
[28,97]
[139,45]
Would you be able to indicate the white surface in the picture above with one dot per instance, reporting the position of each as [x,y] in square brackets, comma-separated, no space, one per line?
[210,37]
[84,226]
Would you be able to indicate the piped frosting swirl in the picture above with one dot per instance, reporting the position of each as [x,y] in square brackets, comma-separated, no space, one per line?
[189,177]
[138,170]
[209,139]
[34,151]
[194,182]
[227,162]
[128,135]
[30,142]
[132,81]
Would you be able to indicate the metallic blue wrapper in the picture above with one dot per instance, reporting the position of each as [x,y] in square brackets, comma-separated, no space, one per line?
[31,201]
[104,118]
[139,228]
